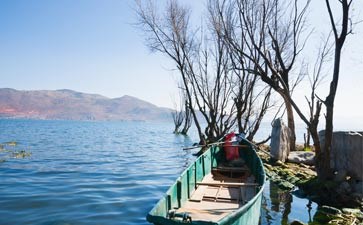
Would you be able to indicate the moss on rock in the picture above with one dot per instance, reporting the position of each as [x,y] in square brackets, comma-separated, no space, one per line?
[288,176]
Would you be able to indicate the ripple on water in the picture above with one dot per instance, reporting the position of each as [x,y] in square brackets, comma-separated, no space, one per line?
[91,172]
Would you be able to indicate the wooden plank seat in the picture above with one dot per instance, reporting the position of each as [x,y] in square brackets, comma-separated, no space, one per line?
[230,169]
[227,184]
[232,172]
[198,194]
[223,191]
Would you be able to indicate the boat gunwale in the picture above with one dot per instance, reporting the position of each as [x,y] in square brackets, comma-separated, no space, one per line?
[225,220]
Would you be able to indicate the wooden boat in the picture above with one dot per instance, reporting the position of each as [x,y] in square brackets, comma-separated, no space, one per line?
[215,190]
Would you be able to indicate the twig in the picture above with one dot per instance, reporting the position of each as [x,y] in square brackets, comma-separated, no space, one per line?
[207,145]
[216,143]
[263,141]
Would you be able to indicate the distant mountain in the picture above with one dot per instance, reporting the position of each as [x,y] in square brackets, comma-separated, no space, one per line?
[71,105]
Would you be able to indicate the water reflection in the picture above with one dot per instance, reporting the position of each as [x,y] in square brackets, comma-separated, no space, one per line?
[280,207]
[105,173]
[184,141]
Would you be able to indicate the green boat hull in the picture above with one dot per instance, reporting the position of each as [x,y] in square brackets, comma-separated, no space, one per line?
[185,185]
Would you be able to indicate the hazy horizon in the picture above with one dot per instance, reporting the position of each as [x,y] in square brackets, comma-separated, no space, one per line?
[95,47]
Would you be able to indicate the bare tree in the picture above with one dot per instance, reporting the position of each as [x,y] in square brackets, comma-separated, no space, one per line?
[268,33]
[188,116]
[217,93]
[324,168]
[251,101]
[203,65]
[178,118]
[178,114]
[168,34]
[317,75]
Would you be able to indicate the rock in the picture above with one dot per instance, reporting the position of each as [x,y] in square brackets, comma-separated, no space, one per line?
[340,176]
[285,185]
[346,152]
[292,180]
[358,186]
[280,145]
[297,222]
[330,210]
[358,196]
[267,166]
[305,166]
[299,193]
[344,188]
[307,158]
[278,163]
[321,217]
[315,198]
[356,212]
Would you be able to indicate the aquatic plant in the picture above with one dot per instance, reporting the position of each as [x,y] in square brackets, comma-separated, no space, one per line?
[21,154]
[8,150]
[11,143]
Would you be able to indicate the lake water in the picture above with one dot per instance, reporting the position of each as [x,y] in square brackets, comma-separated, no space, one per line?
[102,173]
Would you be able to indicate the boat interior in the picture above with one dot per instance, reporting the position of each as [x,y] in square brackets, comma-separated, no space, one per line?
[225,189]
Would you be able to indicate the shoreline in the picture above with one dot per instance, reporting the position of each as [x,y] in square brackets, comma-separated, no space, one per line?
[301,180]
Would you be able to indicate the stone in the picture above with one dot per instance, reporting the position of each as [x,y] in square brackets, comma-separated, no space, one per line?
[269,167]
[330,210]
[358,187]
[344,188]
[356,212]
[303,157]
[293,179]
[358,196]
[285,185]
[279,145]
[340,176]
[346,152]
[297,222]
[278,163]
[299,193]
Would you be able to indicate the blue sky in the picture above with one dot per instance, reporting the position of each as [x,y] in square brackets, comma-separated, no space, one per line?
[86,45]
[93,46]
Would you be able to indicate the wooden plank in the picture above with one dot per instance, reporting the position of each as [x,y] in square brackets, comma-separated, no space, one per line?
[216,196]
[198,194]
[208,210]
[227,184]
[230,169]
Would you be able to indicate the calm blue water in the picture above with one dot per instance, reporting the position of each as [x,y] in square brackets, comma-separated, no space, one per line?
[99,173]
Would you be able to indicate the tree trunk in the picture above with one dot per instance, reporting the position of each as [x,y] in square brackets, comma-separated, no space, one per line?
[320,161]
[239,117]
[325,170]
[187,119]
[324,162]
[290,124]
[307,141]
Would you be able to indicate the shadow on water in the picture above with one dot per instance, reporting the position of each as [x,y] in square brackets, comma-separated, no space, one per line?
[280,207]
